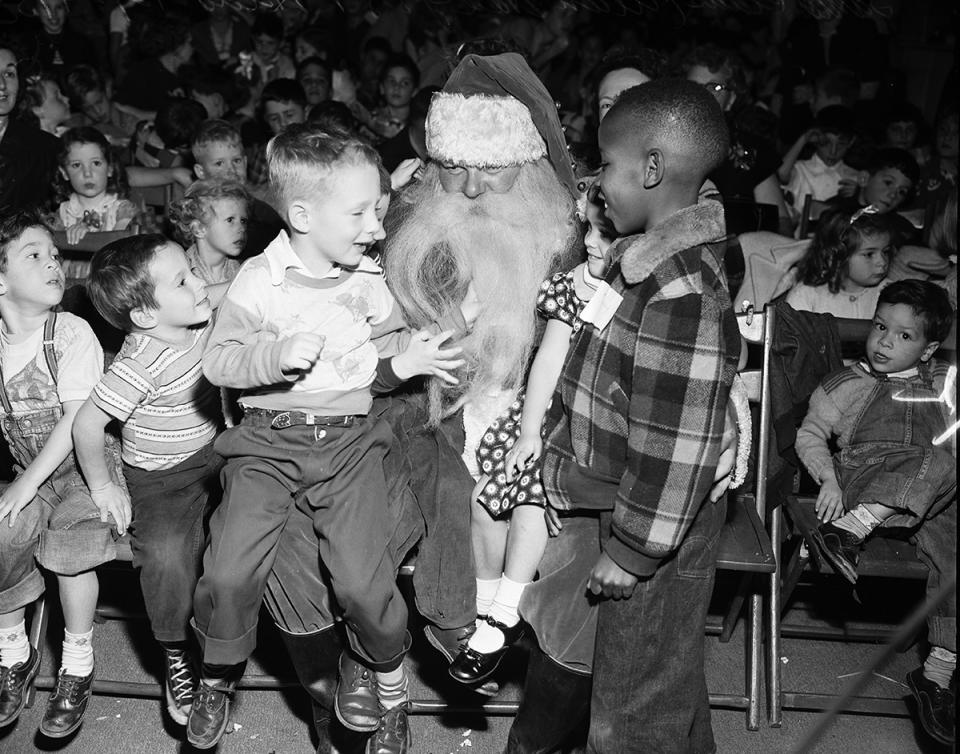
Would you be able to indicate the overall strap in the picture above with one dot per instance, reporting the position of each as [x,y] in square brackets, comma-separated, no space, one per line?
[48,351]
[7,408]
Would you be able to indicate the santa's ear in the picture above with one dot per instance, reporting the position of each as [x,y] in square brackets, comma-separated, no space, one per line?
[653,169]
[298,217]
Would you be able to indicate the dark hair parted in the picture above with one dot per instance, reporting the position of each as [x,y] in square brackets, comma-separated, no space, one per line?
[928,301]
[116,175]
[836,240]
[898,159]
[120,280]
[680,113]
[13,226]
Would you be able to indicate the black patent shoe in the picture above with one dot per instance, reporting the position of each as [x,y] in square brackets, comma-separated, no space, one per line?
[840,548]
[471,667]
[66,705]
[356,702]
[15,685]
[393,735]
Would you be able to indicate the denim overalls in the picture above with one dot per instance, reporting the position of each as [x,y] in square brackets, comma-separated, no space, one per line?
[891,459]
[61,526]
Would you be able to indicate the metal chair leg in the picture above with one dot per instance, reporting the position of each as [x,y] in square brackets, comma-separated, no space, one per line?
[736,607]
[774,678]
[754,629]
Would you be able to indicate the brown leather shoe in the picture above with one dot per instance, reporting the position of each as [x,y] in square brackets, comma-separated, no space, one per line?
[450,641]
[209,715]
[356,702]
[66,705]
[14,686]
[937,707]
[840,548]
[393,735]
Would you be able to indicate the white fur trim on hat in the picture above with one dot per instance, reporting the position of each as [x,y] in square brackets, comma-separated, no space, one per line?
[482,131]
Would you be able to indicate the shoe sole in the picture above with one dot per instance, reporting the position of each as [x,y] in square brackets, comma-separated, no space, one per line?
[436,644]
[918,697]
[27,686]
[839,565]
[223,729]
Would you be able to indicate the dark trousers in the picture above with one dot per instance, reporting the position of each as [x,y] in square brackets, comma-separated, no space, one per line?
[338,472]
[166,536]
[649,689]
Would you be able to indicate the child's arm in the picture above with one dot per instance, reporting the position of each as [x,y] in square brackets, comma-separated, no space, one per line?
[89,442]
[424,355]
[141,177]
[812,447]
[544,373]
[790,158]
[57,447]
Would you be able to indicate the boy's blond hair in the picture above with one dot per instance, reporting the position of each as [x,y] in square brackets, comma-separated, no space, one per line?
[213,132]
[301,159]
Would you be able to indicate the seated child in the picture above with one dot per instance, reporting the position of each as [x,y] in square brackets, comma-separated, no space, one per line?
[298,333]
[315,76]
[894,421]
[41,98]
[211,222]
[820,175]
[49,363]
[845,267]
[282,103]
[218,155]
[92,106]
[397,87]
[94,190]
[508,505]
[170,415]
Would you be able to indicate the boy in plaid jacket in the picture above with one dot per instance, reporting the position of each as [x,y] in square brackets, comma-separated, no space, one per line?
[635,435]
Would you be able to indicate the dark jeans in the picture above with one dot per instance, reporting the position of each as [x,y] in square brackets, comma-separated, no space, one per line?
[649,689]
[167,537]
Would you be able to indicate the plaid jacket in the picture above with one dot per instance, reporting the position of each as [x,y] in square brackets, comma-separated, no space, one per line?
[637,421]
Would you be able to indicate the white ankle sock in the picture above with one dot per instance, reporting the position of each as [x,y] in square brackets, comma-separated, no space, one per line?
[506,604]
[392,688]
[486,638]
[486,592]
[77,653]
[14,645]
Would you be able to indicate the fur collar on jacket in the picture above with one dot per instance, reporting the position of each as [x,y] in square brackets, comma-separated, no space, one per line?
[691,226]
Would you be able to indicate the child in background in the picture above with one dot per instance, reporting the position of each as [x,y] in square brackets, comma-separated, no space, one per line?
[211,222]
[298,332]
[893,420]
[400,80]
[42,98]
[49,363]
[170,415]
[94,187]
[315,76]
[509,530]
[819,175]
[218,156]
[267,60]
[843,270]
[92,106]
[282,103]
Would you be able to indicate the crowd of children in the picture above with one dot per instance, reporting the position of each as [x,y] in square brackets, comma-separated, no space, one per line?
[269,130]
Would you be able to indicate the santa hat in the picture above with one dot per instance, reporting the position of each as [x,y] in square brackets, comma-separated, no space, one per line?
[494,112]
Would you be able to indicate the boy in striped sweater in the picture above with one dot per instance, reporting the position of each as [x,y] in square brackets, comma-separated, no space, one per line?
[170,415]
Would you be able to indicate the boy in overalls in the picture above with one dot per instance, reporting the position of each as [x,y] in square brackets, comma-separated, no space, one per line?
[894,417]
[49,363]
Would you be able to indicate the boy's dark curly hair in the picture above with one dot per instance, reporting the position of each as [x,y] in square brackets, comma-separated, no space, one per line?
[836,240]
[13,226]
[927,300]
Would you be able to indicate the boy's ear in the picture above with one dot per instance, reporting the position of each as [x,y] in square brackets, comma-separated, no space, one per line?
[298,215]
[862,177]
[198,170]
[653,169]
[143,319]
[930,350]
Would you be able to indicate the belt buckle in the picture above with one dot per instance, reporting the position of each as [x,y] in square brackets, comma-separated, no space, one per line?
[281,421]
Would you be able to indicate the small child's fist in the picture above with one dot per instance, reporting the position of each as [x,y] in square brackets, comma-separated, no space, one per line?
[300,352]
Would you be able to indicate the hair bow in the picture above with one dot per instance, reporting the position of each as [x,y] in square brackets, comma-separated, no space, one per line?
[870,209]
[91,218]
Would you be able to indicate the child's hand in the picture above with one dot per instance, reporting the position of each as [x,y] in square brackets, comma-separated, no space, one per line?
[830,501]
[847,187]
[113,500]
[552,519]
[424,356]
[608,579]
[405,172]
[15,498]
[525,450]
[75,232]
[301,351]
